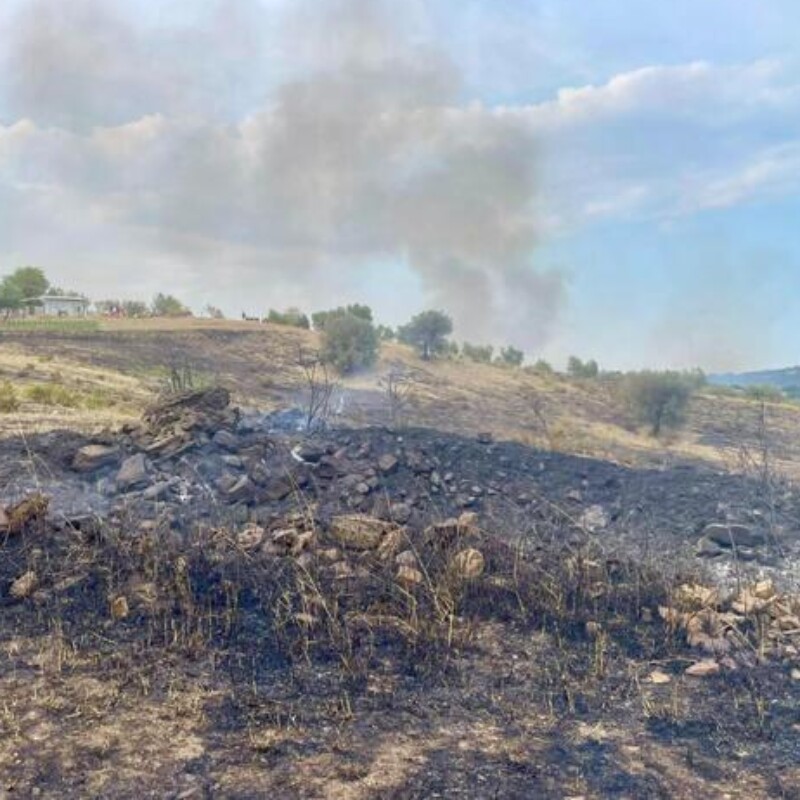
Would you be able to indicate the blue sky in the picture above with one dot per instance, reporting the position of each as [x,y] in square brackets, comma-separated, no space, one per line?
[614,179]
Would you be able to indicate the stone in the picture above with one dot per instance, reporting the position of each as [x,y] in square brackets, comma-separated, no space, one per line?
[388,463]
[158,491]
[362,488]
[594,519]
[250,537]
[277,489]
[133,473]
[468,564]
[358,531]
[763,590]
[310,452]
[241,491]
[92,457]
[232,461]
[408,576]
[485,437]
[703,669]
[4,522]
[119,607]
[735,535]
[27,512]
[795,674]
[708,549]
[659,678]
[392,541]
[226,440]
[400,512]
[408,558]
[24,586]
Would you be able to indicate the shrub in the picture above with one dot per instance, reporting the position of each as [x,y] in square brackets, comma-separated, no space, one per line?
[8,398]
[582,369]
[166,305]
[658,399]
[427,332]
[510,357]
[482,353]
[293,317]
[764,394]
[349,343]
[320,319]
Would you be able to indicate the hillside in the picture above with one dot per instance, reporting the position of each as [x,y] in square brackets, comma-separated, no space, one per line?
[114,372]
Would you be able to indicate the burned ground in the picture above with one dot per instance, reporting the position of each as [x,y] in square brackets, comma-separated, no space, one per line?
[251,612]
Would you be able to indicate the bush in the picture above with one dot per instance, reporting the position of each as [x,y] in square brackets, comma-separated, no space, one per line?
[320,319]
[165,305]
[482,353]
[510,357]
[582,369]
[349,343]
[427,332]
[658,399]
[764,393]
[292,317]
[8,398]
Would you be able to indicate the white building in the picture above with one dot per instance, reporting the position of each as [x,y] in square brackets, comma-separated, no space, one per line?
[58,306]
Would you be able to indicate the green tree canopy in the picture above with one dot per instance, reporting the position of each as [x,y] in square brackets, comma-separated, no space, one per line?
[166,305]
[349,342]
[428,332]
[30,281]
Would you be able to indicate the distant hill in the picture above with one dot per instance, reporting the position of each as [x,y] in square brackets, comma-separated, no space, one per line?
[787,379]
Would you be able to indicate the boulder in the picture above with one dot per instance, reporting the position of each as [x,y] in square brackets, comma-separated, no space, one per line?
[24,586]
[708,549]
[468,564]
[400,512]
[241,491]
[92,457]
[735,535]
[703,669]
[132,473]
[359,532]
[388,463]
[226,440]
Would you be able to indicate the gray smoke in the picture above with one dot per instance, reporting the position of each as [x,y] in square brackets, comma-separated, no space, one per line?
[361,150]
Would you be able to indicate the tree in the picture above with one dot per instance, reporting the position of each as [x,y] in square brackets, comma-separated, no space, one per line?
[321,318]
[10,296]
[476,352]
[385,333]
[30,281]
[580,369]
[428,332]
[510,357]
[134,308]
[213,312]
[349,342]
[658,399]
[293,317]
[166,305]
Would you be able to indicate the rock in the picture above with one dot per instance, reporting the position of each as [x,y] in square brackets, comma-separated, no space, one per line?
[158,491]
[388,463]
[250,537]
[226,440]
[400,512]
[468,564]
[407,558]
[310,452]
[358,531]
[277,489]
[4,522]
[485,437]
[594,519]
[241,491]
[708,549]
[92,457]
[735,535]
[408,576]
[27,513]
[119,607]
[795,674]
[659,678]
[232,461]
[132,473]
[24,586]
[763,590]
[392,541]
[362,488]
[703,669]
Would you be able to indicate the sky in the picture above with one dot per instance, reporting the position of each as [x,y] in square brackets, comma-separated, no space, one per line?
[614,179]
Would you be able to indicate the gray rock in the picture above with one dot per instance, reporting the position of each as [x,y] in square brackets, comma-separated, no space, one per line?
[241,491]
[387,463]
[708,549]
[158,490]
[133,473]
[226,440]
[735,535]
[400,512]
[92,457]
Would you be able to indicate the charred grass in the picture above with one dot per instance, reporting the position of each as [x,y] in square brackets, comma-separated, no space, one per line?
[234,671]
